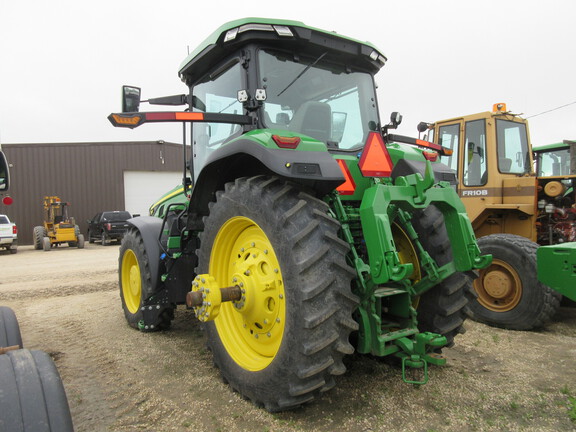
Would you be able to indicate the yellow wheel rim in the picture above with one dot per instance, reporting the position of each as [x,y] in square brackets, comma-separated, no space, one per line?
[406,251]
[252,328]
[499,287]
[131,281]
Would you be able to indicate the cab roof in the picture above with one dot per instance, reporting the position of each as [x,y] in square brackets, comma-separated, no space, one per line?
[287,34]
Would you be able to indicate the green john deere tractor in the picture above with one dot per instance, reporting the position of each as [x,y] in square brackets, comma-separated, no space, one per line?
[305,221]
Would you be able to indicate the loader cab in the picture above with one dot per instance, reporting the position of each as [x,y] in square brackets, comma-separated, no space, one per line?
[493,160]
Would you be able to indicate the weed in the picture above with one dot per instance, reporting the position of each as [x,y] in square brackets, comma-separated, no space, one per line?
[572,410]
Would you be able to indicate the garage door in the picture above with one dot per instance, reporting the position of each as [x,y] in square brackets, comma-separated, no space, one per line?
[143,188]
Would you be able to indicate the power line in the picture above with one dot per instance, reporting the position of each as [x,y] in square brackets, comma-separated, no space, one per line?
[553,109]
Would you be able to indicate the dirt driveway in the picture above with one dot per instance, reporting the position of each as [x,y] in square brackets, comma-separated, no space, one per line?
[118,379]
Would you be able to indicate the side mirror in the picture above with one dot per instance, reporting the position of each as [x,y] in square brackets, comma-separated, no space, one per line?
[130,99]
[4,173]
[422,127]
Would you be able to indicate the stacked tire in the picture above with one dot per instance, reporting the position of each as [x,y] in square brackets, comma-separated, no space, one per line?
[32,396]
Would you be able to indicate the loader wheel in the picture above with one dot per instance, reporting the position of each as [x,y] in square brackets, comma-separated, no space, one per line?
[283,342]
[509,293]
[46,245]
[9,329]
[442,308]
[32,397]
[135,281]
[80,242]
[90,238]
[38,234]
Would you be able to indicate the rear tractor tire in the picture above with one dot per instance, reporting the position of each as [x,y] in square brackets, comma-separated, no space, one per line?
[509,293]
[282,344]
[80,242]
[136,281]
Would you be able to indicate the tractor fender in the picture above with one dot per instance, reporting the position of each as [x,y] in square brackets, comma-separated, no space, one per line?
[149,228]
[442,172]
[316,170]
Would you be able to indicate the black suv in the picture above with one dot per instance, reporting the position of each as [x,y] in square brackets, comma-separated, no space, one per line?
[107,226]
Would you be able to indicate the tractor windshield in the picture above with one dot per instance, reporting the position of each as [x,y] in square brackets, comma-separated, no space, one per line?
[314,97]
[553,163]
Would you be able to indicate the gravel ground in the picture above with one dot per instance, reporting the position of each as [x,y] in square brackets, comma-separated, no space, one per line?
[118,379]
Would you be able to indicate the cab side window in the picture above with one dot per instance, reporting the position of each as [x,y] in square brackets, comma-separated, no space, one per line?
[449,137]
[475,169]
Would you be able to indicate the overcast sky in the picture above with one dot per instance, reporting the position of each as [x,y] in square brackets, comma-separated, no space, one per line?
[62,62]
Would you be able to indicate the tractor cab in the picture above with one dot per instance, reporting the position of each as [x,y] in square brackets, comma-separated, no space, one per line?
[281,81]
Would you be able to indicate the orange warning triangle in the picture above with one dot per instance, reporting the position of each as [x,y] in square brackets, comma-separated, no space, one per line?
[348,187]
[375,160]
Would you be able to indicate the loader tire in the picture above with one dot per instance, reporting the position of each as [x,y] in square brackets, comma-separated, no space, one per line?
[32,397]
[39,233]
[46,245]
[283,343]
[509,294]
[135,282]
[80,242]
[442,309]
[9,329]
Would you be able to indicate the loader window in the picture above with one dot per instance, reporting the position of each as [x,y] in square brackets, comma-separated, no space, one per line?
[512,145]
[320,99]
[219,95]
[448,136]
[475,173]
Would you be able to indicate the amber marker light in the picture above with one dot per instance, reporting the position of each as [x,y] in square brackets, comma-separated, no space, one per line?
[131,120]
[348,187]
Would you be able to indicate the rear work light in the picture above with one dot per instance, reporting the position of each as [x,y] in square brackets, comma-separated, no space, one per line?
[286,142]
[375,160]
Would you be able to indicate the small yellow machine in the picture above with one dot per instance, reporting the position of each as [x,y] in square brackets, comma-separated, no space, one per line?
[57,227]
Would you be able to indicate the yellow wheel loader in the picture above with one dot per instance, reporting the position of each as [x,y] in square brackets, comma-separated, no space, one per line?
[58,228]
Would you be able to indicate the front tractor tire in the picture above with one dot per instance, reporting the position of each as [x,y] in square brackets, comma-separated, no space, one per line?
[509,293]
[136,282]
[282,344]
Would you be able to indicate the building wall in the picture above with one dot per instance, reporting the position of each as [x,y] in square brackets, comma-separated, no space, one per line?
[87,175]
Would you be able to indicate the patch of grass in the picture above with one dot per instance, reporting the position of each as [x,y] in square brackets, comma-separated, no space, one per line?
[572,410]
[496,338]
[565,390]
